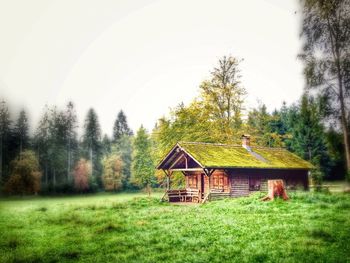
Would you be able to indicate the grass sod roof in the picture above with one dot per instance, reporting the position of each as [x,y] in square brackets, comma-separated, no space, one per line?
[233,156]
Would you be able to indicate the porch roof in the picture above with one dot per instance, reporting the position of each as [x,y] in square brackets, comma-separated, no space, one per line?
[210,155]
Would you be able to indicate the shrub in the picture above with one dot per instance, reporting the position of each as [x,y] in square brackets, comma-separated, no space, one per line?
[25,174]
[317,177]
[112,172]
[82,172]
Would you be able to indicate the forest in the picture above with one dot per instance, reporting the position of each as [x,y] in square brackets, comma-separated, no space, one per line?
[56,159]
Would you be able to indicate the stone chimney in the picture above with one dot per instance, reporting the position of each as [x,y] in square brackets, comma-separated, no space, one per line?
[246,140]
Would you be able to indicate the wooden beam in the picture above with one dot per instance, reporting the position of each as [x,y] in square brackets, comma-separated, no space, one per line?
[177,160]
[186,170]
[168,174]
[208,172]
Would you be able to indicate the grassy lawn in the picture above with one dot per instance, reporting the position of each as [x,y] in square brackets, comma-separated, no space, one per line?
[133,228]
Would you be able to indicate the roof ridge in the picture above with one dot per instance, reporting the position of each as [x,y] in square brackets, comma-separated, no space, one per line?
[211,143]
[233,145]
[269,148]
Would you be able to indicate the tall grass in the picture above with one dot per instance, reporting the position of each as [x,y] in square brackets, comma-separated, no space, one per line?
[311,227]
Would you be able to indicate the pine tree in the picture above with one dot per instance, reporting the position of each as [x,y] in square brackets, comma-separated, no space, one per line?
[121,127]
[57,147]
[5,133]
[308,137]
[106,145]
[21,131]
[92,144]
[41,143]
[143,171]
[71,137]
[124,149]
[122,141]
[266,128]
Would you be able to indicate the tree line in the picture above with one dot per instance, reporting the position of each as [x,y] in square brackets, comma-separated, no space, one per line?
[55,160]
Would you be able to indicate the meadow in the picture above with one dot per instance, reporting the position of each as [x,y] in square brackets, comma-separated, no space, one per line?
[130,227]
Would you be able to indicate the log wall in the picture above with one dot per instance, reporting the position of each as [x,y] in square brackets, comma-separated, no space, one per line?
[235,182]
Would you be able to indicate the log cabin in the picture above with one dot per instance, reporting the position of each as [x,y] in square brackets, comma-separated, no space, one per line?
[220,170]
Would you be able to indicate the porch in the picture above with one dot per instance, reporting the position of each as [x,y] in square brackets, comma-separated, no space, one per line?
[188,195]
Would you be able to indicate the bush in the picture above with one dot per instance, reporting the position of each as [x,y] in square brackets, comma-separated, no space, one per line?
[25,175]
[82,172]
[112,172]
[317,177]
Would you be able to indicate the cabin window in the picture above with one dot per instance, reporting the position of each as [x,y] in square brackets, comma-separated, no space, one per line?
[192,181]
[254,184]
[218,181]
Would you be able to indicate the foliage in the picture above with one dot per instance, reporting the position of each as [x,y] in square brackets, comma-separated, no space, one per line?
[142,164]
[106,145]
[223,95]
[326,56]
[317,178]
[5,135]
[214,116]
[266,129]
[82,173]
[112,172]
[123,147]
[71,124]
[308,136]
[121,127]
[310,227]
[91,144]
[42,143]
[25,174]
[21,132]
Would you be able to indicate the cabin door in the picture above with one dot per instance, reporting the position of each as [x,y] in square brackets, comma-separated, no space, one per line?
[202,185]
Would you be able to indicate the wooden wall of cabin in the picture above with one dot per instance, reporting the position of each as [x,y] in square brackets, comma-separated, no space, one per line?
[241,182]
[293,179]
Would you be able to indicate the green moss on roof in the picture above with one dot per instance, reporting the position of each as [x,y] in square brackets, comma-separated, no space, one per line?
[232,156]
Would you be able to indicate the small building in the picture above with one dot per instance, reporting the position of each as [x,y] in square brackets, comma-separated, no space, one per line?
[221,170]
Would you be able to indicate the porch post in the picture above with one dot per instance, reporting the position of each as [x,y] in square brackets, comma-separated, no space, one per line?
[168,174]
[168,182]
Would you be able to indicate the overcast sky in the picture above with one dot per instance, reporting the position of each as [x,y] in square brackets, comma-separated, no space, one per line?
[143,56]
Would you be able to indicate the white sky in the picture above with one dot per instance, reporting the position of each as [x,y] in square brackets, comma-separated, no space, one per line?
[143,56]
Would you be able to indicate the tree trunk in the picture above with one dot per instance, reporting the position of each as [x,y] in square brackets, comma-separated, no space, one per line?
[69,160]
[20,146]
[1,159]
[149,190]
[91,162]
[344,123]
[345,137]
[54,179]
[275,188]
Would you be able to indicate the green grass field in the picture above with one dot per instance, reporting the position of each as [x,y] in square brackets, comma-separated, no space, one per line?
[133,228]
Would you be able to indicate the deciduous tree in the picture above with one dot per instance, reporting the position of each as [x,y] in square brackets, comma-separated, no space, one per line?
[326,55]
[82,172]
[25,174]
[112,172]
[142,164]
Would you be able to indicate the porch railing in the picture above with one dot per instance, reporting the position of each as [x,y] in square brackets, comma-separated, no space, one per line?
[183,195]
